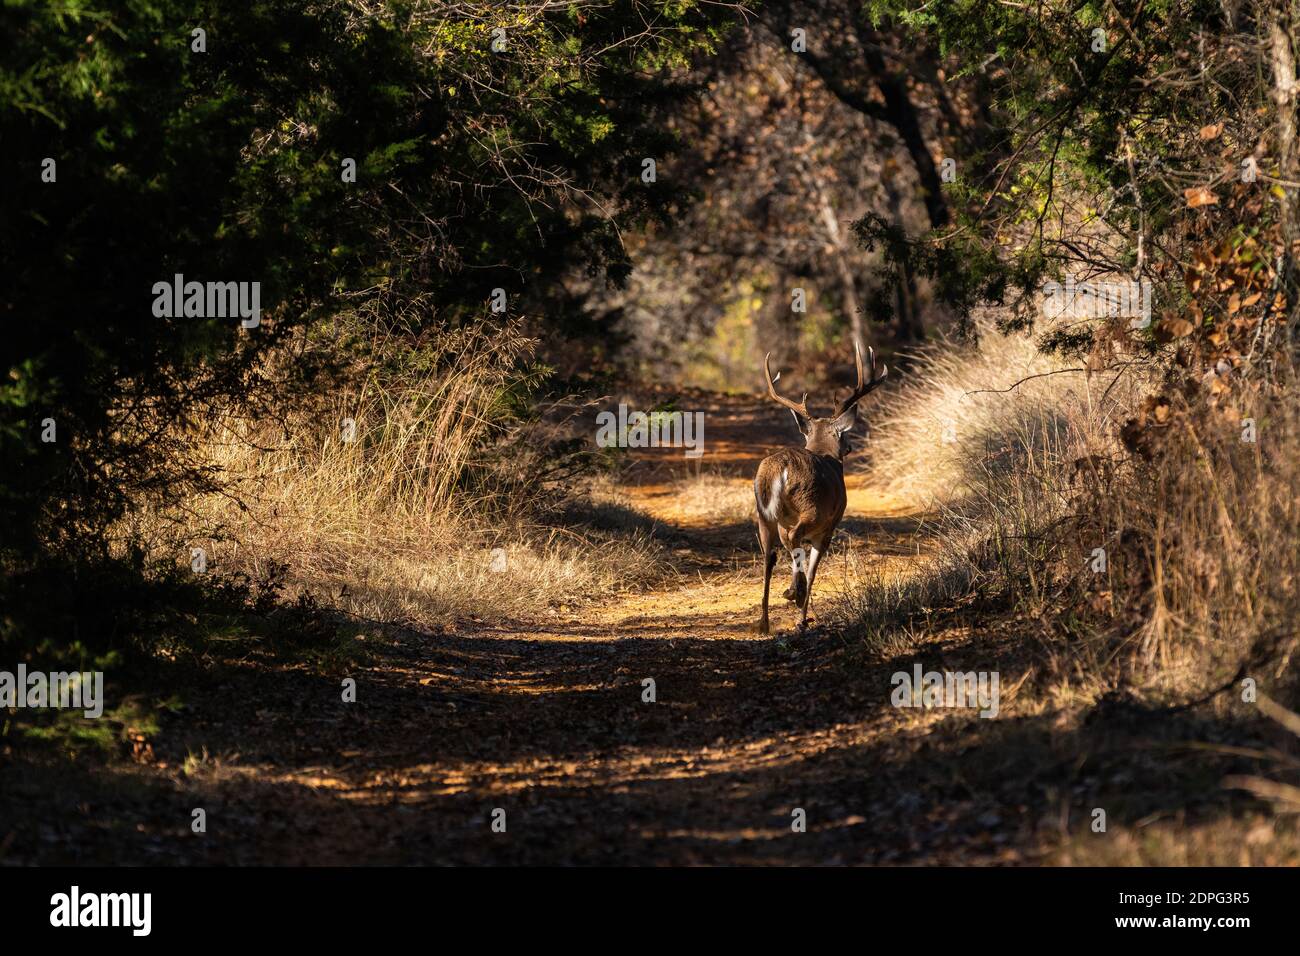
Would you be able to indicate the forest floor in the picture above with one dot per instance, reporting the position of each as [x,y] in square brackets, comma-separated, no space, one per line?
[545,720]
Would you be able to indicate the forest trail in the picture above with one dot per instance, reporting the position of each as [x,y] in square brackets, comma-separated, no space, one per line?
[545,720]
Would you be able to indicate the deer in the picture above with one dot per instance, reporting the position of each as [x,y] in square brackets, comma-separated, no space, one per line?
[799,492]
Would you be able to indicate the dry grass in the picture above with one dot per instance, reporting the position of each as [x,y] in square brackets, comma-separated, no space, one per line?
[404,499]
[964,402]
[704,499]
[1198,591]
[983,435]
[715,498]
[1172,570]
[1198,532]
[1204,530]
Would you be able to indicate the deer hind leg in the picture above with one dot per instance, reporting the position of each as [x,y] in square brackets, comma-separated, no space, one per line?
[814,558]
[767,537]
[798,589]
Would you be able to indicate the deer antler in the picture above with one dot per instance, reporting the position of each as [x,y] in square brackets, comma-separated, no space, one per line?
[800,408]
[865,382]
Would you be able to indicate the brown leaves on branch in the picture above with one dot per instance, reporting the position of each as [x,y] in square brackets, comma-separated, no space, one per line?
[1224,328]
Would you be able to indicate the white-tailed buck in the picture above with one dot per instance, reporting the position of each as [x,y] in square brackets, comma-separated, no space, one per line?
[800,491]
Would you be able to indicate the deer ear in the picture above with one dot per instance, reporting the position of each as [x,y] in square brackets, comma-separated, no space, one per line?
[847,420]
[799,422]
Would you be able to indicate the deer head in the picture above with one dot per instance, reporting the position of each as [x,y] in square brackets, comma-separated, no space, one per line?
[829,436]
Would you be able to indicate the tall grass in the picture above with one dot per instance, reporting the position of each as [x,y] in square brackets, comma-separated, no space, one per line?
[1170,564]
[1204,528]
[406,495]
[966,402]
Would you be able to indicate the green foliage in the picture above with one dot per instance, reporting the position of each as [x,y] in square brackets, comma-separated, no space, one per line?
[71,733]
[1070,123]
[476,169]
[964,274]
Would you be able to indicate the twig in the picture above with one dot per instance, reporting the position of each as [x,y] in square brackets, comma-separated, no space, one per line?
[1013,385]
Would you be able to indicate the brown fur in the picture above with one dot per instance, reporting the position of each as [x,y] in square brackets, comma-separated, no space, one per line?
[799,492]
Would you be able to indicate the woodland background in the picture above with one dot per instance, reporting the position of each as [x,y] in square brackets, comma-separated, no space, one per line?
[797,145]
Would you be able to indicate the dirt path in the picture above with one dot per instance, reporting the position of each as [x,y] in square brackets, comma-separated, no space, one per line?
[545,720]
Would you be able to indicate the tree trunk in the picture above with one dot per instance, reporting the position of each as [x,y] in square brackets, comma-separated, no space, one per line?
[1284,92]
[848,283]
[1282,56]
[902,115]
